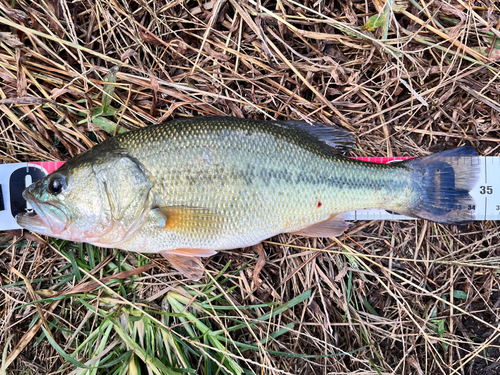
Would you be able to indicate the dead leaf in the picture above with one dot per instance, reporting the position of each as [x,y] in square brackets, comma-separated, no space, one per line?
[127,54]
[7,76]
[215,54]
[415,364]
[448,9]
[150,38]
[172,108]
[341,274]
[58,92]
[15,14]
[56,26]
[26,100]
[261,262]
[22,86]
[11,40]
[155,87]
[235,109]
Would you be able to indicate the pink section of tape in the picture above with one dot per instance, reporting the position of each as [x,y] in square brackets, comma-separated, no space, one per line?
[49,166]
[381,160]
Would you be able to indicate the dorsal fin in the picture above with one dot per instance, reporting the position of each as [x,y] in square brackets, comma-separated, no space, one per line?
[333,138]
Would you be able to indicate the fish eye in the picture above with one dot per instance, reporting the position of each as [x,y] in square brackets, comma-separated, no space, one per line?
[56,185]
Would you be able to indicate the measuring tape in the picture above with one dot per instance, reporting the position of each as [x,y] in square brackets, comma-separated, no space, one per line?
[14,178]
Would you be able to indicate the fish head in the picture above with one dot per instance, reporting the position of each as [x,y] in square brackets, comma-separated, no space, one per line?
[69,203]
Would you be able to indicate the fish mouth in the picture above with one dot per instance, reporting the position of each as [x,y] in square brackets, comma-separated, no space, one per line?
[46,218]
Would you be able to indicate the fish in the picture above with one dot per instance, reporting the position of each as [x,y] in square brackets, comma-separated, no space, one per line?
[191,187]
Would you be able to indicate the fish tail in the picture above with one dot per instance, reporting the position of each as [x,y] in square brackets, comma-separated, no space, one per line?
[441,186]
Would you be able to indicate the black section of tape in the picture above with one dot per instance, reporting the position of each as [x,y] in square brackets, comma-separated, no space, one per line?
[17,184]
[2,204]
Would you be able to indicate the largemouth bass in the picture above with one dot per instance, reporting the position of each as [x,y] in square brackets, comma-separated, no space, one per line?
[190,187]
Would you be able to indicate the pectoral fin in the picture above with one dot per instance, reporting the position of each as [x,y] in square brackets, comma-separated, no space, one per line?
[186,219]
[190,267]
[333,227]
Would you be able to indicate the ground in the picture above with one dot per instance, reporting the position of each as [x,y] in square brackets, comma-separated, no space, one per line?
[407,78]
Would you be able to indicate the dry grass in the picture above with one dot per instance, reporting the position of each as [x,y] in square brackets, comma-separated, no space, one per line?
[386,298]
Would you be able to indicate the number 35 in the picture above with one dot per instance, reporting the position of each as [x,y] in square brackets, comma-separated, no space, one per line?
[486,189]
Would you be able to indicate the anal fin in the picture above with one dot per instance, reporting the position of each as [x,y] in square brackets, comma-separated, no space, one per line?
[333,227]
[189,266]
[203,253]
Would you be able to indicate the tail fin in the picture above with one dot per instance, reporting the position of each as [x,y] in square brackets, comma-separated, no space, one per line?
[443,182]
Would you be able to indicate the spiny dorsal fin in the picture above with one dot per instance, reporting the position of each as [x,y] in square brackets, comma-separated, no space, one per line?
[335,138]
